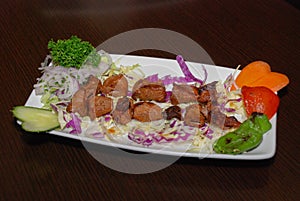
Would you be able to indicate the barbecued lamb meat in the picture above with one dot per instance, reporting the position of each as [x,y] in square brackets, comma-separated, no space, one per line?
[207,93]
[123,111]
[204,96]
[147,111]
[184,93]
[204,107]
[150,92]
[78,103]
[92,87]
[219,119]
[99,106]
[193,116]
[115,85]
[172,112]
[145,90]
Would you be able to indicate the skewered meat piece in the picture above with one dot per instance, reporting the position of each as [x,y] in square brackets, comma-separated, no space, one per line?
[150,92]
[147,111]
[78,103]
[145,90]
[115,85]
[142,82]
[193,116]
[99,105]
[204,96]
[123,112]
[93,86]
[206,109]
[183,93]
[217,118]
[207,93]
[172,112]
[211,111]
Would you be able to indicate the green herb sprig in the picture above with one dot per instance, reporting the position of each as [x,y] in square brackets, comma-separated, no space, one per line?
[73,52]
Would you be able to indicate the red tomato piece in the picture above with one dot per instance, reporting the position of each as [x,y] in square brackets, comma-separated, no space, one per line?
[261,100]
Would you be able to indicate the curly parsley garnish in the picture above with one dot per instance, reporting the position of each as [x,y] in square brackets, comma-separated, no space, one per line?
[73,52]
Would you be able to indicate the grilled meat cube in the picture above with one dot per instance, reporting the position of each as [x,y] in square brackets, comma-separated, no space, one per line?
[207,93]
[204,96]
[172,112]
[145,90]
[147,111]
[123,112]
[184,93]
[92,87]
[78,103]
[150,92]
[217,118]
[206,109]
[115,85]
[121,117]
[193,116]
[124,104]
[99,105]
[142,82]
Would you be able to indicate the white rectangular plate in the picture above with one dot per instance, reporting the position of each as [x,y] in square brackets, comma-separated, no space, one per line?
[170,67]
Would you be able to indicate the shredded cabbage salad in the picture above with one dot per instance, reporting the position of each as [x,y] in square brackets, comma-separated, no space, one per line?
[58,84]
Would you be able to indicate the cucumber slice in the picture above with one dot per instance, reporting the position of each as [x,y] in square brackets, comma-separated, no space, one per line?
[36,119]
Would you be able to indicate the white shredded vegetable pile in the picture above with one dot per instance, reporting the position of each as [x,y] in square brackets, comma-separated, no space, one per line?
[64,82]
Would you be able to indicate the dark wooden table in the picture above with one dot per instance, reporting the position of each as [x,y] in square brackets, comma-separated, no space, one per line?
[44,167]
